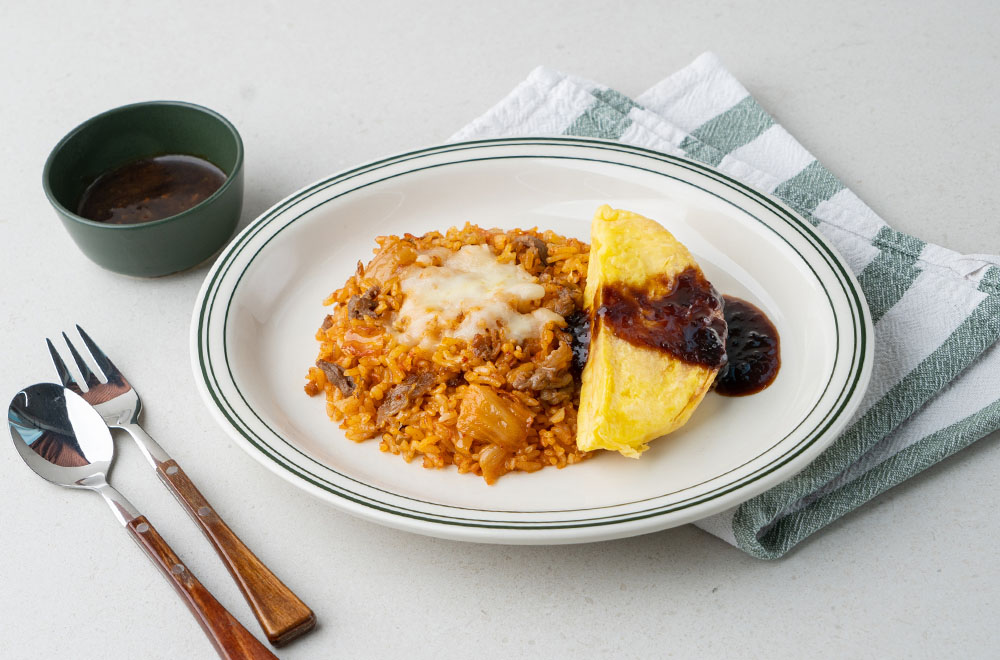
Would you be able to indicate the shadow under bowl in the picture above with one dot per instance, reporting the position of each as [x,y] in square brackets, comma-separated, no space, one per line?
[145,130]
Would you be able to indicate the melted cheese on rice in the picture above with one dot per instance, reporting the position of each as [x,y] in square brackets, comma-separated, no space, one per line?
[468,294]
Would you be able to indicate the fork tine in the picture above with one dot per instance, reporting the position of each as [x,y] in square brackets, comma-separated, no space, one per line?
[65,377]
[104,363]
[88,375]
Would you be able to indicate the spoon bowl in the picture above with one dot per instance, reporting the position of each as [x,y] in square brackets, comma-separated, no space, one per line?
[60,436]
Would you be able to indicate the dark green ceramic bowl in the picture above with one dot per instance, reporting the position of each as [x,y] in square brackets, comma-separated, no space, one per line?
[144,130]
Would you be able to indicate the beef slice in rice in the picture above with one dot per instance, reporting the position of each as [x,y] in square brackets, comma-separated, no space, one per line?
[485,347]
[336,375]
[562,303]
[528,243]
[402,395]
[552,372]
[363,305]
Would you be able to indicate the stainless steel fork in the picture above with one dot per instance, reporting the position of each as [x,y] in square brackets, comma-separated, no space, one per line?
[281,614]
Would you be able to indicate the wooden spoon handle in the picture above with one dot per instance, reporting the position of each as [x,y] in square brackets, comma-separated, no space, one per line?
[230,638]
[281,614]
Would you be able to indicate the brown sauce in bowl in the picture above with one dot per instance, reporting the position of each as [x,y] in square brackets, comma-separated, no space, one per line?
[150,189]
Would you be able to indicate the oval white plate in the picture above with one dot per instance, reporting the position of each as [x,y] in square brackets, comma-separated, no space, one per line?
[254,322]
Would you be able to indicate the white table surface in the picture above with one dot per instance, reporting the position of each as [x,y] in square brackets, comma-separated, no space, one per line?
[900,100]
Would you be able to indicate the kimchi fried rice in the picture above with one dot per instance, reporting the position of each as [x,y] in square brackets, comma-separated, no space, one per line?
[458,348]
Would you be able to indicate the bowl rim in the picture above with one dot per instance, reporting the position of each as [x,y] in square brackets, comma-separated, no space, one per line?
[59,206]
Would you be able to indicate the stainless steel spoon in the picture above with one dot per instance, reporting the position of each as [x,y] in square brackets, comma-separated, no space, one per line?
[64,440]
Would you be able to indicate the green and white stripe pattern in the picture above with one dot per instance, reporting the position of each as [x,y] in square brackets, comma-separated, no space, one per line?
[936,382]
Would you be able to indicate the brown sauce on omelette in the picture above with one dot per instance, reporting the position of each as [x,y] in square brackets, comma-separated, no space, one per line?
[693,323]
[687,321]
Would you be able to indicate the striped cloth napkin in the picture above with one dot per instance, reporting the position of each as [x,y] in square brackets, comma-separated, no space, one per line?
[936,379]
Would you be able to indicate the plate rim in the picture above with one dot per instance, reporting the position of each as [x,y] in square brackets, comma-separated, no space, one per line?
[544,531]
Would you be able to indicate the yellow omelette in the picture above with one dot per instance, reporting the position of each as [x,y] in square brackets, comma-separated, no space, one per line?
[633,393]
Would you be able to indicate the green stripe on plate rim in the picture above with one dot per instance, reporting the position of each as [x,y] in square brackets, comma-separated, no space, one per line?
[656,512]
[802,227]
[353,499]
[304,455]
[337,180]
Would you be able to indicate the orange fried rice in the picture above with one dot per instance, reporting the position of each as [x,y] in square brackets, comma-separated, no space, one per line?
[488,405]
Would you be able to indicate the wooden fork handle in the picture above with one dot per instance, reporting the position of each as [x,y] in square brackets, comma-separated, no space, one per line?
[281,614]
[230,638]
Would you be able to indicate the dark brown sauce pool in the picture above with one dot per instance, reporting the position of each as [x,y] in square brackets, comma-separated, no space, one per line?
[753,348]
[150,189]
[578,325]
